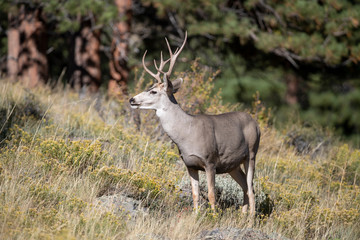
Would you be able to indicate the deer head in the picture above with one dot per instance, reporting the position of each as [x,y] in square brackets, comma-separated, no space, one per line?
[161,93]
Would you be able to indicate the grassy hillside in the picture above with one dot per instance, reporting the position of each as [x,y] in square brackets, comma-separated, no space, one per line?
[60,153]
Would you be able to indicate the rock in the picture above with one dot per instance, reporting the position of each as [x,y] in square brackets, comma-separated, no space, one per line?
[238,234]
[152,237]
[308,143]
[121,204]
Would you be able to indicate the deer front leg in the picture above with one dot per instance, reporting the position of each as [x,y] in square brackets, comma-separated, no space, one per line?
[210,177]
[194,178]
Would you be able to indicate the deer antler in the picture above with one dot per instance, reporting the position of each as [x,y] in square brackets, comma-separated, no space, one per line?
[162,64]
[174,56]
[172,59]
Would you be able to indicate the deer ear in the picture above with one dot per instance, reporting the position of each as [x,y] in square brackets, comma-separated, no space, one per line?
[177,84]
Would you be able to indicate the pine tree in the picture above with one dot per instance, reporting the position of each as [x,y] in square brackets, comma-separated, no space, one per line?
[83,20]
[119,70]
[13,46]
[86,75]
[27,43]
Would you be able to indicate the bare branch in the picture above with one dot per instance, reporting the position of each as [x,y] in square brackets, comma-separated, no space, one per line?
[284,53]
[270,9]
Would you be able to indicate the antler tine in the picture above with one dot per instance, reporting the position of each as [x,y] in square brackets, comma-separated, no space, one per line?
[156,76]
[174,56]
[162,63]
[161,57]
[158,68]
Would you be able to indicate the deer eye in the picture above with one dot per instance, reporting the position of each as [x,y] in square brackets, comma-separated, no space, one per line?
[153,92]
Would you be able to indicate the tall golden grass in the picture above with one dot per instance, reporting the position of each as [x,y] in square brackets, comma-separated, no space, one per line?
[59,154]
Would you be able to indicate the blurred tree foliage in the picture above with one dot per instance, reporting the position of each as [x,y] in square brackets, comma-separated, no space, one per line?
[294,52]
[299,54]
[77,28]
[71,27]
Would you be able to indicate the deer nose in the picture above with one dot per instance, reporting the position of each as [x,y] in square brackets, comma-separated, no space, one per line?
[132,101]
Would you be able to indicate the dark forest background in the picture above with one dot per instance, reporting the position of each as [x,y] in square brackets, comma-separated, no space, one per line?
[301,56]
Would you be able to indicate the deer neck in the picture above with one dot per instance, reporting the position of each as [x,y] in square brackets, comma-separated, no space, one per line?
[174,120]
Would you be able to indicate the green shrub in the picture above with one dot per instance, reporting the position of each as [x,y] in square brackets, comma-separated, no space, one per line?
[344,167]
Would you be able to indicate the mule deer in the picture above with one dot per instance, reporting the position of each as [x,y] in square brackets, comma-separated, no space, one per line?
[211,143]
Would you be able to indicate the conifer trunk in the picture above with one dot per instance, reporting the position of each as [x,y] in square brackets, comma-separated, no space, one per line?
[13,36]
[33,64]
[86,73]
[292,89]
[119,70]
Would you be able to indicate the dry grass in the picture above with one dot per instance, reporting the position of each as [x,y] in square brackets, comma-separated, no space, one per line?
[59,153]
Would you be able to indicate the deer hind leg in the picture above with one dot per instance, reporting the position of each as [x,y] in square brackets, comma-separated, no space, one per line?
[239,176]
[194,178]
[210,177]
[250,169]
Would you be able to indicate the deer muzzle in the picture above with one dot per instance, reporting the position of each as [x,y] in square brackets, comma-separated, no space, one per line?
[133,103]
